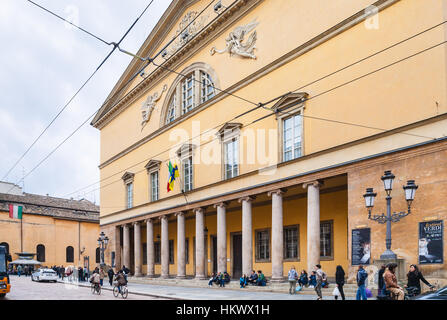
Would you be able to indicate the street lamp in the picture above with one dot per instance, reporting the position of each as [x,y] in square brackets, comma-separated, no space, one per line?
[103,241]
[409,189]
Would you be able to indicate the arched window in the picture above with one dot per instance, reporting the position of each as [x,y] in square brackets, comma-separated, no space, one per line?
[6,245]
[40,250]
[195,85]
[98,255]
[70,254]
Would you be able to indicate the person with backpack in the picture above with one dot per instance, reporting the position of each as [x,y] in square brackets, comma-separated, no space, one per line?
[320,277]
[361,280]
[293,277]
[340,280]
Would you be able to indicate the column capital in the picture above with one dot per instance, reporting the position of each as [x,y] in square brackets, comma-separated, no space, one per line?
[149,220]
[126,225]
[179,214]
[279,191]
[315,183]
[198,210]
[163,217]
[247,199]
[136,223]
[222,204]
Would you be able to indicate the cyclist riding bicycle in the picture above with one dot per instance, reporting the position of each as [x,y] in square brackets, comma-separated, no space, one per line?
[120,279]
[95,278]
[414,280]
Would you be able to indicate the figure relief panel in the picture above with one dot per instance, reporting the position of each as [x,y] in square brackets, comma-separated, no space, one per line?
[149,105]
[235,44]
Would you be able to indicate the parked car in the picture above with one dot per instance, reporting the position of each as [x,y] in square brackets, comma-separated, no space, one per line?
[440,294]
[44,275]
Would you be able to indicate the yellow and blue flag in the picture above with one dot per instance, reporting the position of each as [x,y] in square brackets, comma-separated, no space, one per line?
[173,173]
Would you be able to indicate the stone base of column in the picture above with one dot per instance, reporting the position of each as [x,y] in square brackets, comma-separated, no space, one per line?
[180,277]
[200,278]
[280,279]
[164,276]
[138,275]
[150,276]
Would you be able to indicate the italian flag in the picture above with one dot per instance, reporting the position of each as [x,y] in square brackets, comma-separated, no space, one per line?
[15,212]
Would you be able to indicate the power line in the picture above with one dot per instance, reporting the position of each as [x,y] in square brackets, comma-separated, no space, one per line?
[77,92]
[310,117]
[116,45]
[317,118]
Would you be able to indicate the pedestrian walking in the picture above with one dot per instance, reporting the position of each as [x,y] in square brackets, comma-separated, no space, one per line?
[340,280]
[361,279]
[102,275]
[19,270]
[293,277]
[110,273]
[320,277]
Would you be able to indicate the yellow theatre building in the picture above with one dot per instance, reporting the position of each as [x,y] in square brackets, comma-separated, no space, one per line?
[58,231]
[279,114]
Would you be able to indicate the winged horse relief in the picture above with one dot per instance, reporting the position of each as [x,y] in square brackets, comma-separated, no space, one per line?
[149,106]
[235,43]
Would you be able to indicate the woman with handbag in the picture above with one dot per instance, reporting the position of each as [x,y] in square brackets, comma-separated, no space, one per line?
[340,281]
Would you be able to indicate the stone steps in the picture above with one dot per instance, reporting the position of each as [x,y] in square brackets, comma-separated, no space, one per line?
[350,290]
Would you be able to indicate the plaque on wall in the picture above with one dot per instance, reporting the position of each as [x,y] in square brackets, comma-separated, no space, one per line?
[431,249]
[361,246]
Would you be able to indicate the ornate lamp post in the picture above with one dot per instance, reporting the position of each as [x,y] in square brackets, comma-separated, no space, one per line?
[103,241]
[409,189]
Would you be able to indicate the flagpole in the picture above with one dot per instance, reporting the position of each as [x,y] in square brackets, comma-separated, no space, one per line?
[21,234]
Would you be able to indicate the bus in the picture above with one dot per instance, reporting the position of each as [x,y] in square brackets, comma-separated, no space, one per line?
[5,286]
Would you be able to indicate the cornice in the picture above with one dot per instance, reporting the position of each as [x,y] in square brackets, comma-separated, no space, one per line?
[209,32]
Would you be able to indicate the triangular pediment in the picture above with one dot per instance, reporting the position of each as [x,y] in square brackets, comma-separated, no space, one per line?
[128,176]
[228,128]
[185,150]
[290,100]
[153,164]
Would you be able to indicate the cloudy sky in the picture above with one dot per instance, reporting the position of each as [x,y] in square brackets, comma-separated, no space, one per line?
[43,62]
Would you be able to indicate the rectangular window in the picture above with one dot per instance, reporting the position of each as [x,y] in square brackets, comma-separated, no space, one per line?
[326,236]
[188,87]
[113,259]
[292,139]
[154,186]
[231,149]
[291,243]
[171,251]
[129,187]
[262,245]
[187,174]
[187,250]
[157,252]
[207,85]
[144,253]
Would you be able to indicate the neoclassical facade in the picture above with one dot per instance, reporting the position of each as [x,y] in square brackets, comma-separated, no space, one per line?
[278,115]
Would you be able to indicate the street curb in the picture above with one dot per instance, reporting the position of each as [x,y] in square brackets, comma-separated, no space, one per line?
[157,295]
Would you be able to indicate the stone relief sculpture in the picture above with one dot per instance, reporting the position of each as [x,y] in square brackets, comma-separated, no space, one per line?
[189,32]
[149,106]
[235,44]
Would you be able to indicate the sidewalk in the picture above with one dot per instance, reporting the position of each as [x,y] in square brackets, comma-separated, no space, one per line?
[215,293]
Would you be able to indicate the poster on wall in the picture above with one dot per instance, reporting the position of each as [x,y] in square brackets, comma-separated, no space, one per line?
[431,242]
[361,246]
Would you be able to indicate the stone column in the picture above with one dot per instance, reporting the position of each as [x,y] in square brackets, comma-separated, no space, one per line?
[181,250]
[137,249]
[150,247]
[247,235]
[313,223]
[277,234]
[126,246]
[200,244]
[164,247]
[221,236]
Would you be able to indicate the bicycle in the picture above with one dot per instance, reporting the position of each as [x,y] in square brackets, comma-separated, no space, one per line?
[124,291]
[96,288]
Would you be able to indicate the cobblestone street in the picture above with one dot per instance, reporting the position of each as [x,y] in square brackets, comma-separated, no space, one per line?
[25,289]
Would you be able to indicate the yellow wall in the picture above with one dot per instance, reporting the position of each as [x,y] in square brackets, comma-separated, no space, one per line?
[380,100]
[55,234]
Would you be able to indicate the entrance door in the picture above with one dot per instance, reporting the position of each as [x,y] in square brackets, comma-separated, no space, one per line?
[237,256]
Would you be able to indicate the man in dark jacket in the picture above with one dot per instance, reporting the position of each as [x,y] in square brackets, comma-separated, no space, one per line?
[110,273]
[381,283]
[253,278]
[361,280]
[340,280]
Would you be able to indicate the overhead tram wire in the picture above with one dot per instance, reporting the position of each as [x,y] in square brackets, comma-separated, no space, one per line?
[316,118]
[281,96]
[116,45]
[73,97]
